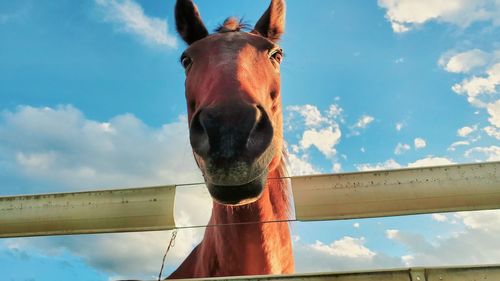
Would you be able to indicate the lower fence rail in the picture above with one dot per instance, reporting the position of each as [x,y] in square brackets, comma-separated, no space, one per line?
[459,273]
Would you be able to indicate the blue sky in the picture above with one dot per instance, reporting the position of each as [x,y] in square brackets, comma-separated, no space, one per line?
[91,96]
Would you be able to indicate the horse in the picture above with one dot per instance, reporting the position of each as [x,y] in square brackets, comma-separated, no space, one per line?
[235,117]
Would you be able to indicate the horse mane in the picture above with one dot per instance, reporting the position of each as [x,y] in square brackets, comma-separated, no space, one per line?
[279,188]
[233,24]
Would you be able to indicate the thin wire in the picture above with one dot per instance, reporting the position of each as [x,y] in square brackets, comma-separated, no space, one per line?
[170,245]
[235,223]
[202,183]
[176,228]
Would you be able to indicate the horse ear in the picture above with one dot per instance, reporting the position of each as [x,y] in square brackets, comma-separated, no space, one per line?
[188,21]
[272,23]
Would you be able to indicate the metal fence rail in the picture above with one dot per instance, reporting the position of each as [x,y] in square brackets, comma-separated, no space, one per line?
[448,188]
[464,273]
[105,211]
[338,196]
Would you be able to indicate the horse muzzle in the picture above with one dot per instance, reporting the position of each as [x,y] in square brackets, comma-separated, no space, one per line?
[233,148]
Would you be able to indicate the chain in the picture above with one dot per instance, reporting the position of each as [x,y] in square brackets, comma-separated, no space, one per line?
[170,245]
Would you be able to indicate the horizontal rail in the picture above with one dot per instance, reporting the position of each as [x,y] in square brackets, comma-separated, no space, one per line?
[105,211]
[463,273]
[398,192]
[338,196]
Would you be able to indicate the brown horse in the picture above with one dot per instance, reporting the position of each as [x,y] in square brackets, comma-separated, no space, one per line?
[235,123]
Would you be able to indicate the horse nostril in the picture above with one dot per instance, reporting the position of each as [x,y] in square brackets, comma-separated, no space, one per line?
[198,136]
[274,95]
[261,135]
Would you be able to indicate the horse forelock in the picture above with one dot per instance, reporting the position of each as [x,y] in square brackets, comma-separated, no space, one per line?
[233,24]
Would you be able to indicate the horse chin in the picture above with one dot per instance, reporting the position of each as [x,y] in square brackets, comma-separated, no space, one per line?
[236,195]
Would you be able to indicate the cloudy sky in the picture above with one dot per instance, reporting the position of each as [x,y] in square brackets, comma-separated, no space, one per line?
[91,96]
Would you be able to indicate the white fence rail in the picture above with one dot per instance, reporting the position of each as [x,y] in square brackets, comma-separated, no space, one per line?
[105,211]
[398,192]
[470,273]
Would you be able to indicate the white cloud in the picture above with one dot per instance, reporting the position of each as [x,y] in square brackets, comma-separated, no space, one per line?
[318,129]
[345,247]
[387,165]
[405,15]
[60,148]
[356,225]
[488,221]
[439,217]
[478,243]
[299,166]
[65,148]
[324,140]
[361,124]
[481,90]
[419,143]
[465,131]
[337,168]
[311,114]
[407,260]
[364,121]
[312,117]
[401,148]
[477,88]
[134,255]
[494,109]
[491,153]
[391,233]
[392,164]
[465,61]
[492,132]
[430,161]
[454,145]
[399,126]
[334,111]
[346,253]
[128,16]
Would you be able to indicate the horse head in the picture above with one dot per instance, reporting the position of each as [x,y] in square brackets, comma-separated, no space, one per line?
[233,99]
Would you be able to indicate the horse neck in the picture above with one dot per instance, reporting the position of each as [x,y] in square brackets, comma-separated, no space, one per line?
[259,248]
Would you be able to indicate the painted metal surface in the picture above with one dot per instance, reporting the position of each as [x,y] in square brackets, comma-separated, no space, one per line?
[476,273]
[104,211]
[397,192]
[460,273]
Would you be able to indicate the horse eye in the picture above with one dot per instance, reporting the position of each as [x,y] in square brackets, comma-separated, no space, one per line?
[186,62]
[277,55]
